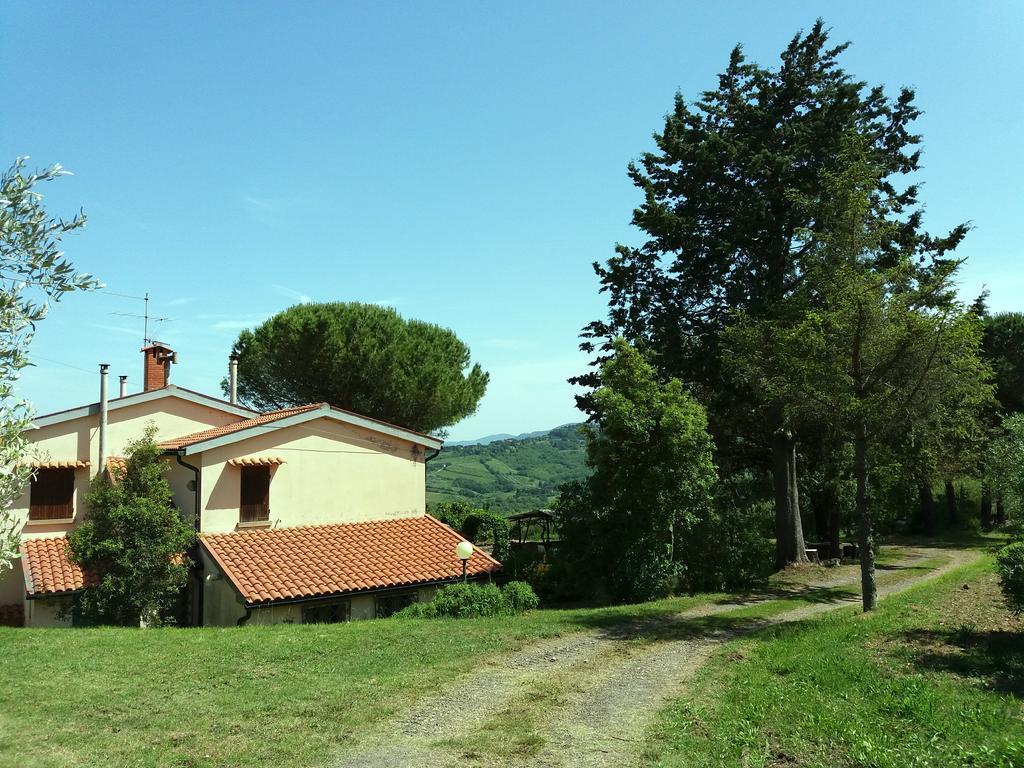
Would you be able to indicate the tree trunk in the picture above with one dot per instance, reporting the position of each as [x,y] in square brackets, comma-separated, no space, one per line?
[833,531]
[952,517]
[986,507]
[819,506]
[826,516]
[924,491]
[789,532]
[1000,511]
[865,534]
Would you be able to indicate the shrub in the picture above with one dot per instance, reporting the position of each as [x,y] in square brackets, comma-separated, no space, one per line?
[730,549]
[134,540]
[472,600]
[520,596]
[641,576]
[489,521]
[1010,567]
[475,524]
[463,601]
[418,611]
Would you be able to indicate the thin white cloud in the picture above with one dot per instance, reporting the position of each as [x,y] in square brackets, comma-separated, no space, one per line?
[180,302]
[291,293]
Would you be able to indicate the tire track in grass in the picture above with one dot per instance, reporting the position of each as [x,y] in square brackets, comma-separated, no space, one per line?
[586,699]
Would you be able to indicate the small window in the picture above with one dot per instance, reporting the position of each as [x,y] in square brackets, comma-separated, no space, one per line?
[389,605]
[255,495]
[327,613]
[52,494]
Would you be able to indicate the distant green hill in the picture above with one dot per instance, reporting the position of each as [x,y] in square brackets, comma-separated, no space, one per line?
[509,475]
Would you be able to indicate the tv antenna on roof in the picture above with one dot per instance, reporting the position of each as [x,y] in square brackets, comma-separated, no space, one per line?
[146,341]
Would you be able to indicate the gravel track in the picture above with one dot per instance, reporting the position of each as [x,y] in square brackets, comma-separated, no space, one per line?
[618,681]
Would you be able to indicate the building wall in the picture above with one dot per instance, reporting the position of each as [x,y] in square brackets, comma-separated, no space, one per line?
[43,613]
[78,439]
[333,473]
[276,614]
[222,607]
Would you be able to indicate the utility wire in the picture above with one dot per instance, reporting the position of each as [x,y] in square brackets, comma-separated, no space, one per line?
[60,362]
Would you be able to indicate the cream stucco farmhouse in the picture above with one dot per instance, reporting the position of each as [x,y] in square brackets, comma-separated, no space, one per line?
[307,514]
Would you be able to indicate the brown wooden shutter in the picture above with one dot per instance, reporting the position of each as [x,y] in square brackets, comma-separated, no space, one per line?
[255,494]
[52,494]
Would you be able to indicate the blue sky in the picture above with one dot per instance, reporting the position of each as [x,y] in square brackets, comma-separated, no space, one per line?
[462,162]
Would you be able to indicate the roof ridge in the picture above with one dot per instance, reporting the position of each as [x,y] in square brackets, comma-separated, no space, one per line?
[267,417]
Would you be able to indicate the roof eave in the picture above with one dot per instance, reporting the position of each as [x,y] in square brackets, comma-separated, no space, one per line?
[368,591]
[170,390]
[301,418]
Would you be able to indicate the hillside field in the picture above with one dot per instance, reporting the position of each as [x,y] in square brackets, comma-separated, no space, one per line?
[509,475]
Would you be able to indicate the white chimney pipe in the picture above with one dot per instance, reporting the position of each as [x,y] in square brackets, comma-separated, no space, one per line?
[124,385]
[233,380]
[104,367]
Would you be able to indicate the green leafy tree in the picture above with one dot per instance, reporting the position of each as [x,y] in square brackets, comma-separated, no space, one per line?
[736,177]
[1005,462]
[134,542]
[361,357]
[1003,342]
[872,351]
[33,272]
[653,473]
[1010,569]
[477,525]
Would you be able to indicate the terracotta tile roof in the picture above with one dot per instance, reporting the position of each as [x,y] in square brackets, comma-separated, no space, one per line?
[48,571]
[256,461]
[314,561]
[116,467]
[237,426]
[73,464]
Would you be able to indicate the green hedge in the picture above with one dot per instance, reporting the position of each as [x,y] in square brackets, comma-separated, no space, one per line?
[472,600]
[1010,567]
[476,524]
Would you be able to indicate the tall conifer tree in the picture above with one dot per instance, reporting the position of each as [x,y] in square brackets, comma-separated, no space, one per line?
[737,176]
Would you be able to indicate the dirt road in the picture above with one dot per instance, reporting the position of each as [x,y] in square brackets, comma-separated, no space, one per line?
[586,699]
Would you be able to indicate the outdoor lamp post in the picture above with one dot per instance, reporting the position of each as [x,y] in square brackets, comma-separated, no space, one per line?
[463,551]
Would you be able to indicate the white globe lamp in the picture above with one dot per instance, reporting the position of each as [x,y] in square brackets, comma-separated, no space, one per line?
[464,551]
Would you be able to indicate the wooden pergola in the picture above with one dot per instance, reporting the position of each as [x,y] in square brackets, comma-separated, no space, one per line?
[542,521]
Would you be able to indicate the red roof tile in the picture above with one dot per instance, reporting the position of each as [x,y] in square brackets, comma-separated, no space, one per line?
[314,561]
[72,464]
[116,467]
[237,426]
[48,571]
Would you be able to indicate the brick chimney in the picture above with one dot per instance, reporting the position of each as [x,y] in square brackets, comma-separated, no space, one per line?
[156,370]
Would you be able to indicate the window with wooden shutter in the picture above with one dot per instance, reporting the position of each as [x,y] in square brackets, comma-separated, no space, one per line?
[255,496]
[52,494]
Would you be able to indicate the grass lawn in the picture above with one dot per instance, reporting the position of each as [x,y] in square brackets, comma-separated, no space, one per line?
[256,696]
[933,678]
[259,696]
